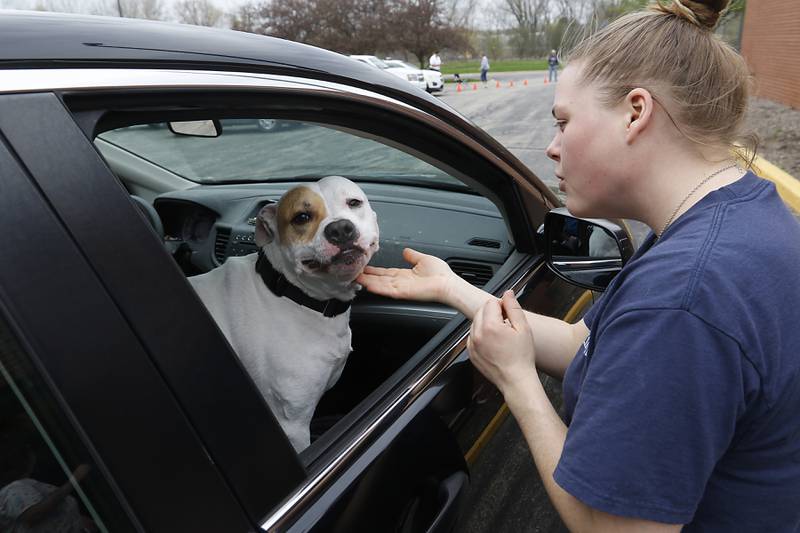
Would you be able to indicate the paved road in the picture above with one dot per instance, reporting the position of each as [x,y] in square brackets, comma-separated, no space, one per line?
[519,116]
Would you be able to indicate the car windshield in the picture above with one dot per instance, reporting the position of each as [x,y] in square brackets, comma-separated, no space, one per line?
[270,150]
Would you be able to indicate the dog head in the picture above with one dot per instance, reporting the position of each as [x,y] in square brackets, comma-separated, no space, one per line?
[320,236]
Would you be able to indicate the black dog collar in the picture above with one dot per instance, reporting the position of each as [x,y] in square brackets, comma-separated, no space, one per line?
[280,286]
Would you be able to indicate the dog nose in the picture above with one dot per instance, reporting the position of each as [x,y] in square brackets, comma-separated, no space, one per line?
[340,232]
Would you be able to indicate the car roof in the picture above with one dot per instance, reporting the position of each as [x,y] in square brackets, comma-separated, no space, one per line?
[57,40]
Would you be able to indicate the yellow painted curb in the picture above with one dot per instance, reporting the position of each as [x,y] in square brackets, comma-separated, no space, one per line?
[788,187]
[487,433]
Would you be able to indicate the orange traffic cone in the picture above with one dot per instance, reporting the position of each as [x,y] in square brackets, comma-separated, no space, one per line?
[497,84]
[511,83]
[474,86]
[458,88]
[545,80]
[525,83]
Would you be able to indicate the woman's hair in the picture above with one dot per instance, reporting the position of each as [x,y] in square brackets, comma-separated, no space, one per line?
[671,50]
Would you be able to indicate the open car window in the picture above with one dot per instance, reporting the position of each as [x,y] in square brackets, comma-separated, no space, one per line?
[202,196]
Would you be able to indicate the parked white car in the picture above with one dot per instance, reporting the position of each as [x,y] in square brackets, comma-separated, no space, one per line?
[433,78]
[412,75]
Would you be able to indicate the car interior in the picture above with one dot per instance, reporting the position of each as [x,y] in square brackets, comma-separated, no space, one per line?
[201,192]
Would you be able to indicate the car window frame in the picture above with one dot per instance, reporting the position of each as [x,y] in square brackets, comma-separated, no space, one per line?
[105,353]
[87,108]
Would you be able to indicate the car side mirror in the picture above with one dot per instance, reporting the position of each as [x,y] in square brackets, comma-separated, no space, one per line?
[585,252]
[197,128]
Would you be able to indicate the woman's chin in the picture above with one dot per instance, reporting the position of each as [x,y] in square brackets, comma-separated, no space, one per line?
[575,207]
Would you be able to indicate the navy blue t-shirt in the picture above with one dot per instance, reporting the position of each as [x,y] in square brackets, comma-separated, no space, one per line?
[683,403]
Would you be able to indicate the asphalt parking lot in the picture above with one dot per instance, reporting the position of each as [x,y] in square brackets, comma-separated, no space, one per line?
[518,115]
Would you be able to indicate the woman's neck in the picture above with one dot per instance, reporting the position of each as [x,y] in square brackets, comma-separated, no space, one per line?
[677,183]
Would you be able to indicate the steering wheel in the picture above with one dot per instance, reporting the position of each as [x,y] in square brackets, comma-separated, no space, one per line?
[150,214]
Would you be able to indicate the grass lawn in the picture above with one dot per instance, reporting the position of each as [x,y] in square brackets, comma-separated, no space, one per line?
[505,65]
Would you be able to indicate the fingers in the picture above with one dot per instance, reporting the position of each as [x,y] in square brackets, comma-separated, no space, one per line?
[492,312]
[412,256]
[380,271]
[377,284]
[513,310]
[375,271]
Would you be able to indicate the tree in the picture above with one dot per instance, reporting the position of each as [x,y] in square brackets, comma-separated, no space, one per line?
[529,17]
[421,27]
[198,12]
[247,18]
[346,26]
[460,13]
[97,7]
[141,9]
[361,26]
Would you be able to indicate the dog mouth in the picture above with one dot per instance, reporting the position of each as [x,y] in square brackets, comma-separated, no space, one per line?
[346,257]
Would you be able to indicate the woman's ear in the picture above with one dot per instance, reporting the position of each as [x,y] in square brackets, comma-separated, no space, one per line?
[638,113]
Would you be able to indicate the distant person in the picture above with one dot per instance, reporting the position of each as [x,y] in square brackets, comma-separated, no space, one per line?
[484,69]
[552,64]
[435,62]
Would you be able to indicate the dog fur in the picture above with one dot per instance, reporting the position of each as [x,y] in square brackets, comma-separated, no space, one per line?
[294,353]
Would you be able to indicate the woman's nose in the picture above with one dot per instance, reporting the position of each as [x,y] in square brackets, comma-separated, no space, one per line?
[553,149]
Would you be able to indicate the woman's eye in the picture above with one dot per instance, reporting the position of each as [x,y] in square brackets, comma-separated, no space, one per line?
[301,218]
[354,202]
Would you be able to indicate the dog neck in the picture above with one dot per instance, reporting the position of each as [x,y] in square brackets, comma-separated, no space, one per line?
[279,285]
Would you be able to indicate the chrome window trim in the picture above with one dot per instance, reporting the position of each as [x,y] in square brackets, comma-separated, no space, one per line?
[590,263]
[280,519]
[36,80]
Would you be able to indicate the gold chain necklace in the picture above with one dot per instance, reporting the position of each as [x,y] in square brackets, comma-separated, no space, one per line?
[703,182]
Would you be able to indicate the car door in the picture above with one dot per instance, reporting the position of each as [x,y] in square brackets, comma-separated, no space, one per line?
[399,458]
[96,393]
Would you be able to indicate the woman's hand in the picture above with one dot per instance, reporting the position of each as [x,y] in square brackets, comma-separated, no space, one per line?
[427,280]
[501,344]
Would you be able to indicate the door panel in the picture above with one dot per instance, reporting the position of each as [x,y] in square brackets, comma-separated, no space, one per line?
[62,314]
[152,294]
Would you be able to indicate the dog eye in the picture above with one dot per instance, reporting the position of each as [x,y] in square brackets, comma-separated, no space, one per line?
[301,218]
[354,202]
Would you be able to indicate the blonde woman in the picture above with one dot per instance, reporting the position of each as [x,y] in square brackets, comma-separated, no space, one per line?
[681,384]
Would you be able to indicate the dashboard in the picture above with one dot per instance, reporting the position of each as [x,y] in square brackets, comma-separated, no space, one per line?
[211,223]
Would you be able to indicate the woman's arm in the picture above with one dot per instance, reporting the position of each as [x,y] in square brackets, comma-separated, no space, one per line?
[502,348]
[431,279]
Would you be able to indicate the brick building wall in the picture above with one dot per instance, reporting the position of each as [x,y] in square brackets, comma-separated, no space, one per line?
[771,47]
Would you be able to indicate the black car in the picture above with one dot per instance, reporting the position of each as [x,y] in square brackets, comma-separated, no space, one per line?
[119,393]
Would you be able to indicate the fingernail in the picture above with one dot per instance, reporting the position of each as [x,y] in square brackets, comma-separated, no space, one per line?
[511,292]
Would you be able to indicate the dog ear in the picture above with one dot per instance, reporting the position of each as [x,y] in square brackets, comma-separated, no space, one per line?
[266,224]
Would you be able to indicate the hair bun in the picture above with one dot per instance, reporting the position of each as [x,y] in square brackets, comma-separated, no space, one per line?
[703,13]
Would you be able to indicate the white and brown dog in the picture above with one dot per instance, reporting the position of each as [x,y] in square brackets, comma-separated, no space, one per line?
[285,310]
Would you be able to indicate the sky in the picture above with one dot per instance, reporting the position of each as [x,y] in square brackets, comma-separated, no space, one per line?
[87,6]
[109,7]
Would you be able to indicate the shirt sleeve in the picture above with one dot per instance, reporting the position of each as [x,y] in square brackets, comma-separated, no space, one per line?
[656,411]
[588,317]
